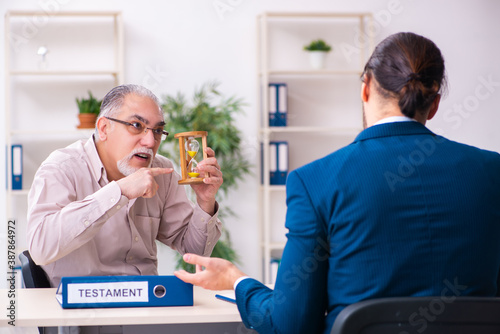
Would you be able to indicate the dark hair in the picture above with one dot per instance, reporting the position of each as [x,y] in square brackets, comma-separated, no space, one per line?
[410,68]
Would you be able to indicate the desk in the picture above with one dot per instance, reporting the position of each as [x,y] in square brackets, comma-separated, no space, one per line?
[39,307]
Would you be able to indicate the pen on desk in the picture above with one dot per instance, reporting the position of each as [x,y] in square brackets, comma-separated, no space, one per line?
[225,298]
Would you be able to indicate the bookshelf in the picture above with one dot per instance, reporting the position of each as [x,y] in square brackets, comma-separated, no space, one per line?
[85,52]
[324,110]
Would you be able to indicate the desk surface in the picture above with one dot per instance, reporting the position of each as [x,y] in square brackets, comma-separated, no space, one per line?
[39,307]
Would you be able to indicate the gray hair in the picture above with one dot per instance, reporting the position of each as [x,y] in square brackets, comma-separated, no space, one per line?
[113,100]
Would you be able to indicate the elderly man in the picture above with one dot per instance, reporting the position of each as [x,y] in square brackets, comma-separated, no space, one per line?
[96,207]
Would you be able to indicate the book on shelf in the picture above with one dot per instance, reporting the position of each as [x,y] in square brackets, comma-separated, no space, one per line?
[278,105]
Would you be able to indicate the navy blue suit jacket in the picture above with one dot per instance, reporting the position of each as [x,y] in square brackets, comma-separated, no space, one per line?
[399,212]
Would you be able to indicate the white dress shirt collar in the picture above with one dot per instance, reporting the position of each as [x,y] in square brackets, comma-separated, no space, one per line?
[393,119]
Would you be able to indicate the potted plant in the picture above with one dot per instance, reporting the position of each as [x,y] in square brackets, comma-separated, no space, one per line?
[211,112]
[318,49]
[88,111]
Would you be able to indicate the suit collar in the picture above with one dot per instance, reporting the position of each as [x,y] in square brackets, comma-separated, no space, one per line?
[393,129]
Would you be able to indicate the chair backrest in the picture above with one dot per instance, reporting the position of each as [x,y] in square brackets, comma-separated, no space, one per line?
[428,315]
[33,275]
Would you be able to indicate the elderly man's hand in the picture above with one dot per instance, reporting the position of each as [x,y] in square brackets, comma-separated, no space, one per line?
[141,183]
[205,193]
[218,274]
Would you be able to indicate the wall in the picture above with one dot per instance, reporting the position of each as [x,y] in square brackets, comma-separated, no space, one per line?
[177,45]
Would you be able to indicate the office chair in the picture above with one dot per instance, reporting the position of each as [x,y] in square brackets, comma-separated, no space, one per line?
[33,275]
[428,315]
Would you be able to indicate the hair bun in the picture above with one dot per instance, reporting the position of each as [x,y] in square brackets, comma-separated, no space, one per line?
[413,76]
[410,68]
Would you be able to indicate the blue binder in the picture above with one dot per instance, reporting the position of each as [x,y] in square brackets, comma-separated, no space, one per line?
[278,162]
[273,104]
[273,163]
[278,106]
[17,167]
[123,291]
[282,162]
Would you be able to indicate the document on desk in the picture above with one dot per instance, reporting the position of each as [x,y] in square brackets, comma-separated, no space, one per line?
[123,291]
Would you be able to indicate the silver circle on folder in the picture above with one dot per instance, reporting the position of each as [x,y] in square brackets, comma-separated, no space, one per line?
[159,291]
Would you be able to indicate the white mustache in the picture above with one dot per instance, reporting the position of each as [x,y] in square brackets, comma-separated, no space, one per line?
[140,150]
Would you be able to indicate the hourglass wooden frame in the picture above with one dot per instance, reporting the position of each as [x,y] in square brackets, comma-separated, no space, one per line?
[185,158]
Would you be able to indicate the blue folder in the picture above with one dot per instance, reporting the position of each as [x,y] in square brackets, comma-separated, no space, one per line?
[17,167]
[278,106]
[123,291]
[278,162]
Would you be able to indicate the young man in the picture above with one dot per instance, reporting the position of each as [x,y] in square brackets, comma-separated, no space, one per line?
[403,212]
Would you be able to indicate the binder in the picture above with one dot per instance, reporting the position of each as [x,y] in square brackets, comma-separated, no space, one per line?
[273,163]
[278,162]
[17,167]
[282,162]
[274,266]
[273,104]
[282,105]
[123,291]
[278,106]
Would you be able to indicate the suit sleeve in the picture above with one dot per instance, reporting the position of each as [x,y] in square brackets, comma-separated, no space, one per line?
[298,302]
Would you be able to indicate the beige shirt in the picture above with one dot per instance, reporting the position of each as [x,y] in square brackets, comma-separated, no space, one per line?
[79,224]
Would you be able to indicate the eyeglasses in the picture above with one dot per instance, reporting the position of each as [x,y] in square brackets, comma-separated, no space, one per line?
[137,127]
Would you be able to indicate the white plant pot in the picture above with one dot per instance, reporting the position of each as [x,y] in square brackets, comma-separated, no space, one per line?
[317,59]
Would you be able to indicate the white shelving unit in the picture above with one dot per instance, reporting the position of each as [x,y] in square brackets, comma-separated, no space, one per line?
[85,53]
[324,108]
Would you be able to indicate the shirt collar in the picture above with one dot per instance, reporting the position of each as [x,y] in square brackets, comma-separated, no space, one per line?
[393,129]
[394,119]
[96,166]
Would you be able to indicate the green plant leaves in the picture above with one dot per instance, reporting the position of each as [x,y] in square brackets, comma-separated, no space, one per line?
[89,106]
[210,111]
[318,45]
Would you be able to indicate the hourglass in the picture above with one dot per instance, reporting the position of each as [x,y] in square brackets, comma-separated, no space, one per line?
[189,148]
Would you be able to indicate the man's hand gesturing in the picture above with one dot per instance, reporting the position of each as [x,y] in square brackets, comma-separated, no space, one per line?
[142,182]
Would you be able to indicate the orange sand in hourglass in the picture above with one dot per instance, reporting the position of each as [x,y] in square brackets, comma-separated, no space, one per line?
[192,164]
[189,149]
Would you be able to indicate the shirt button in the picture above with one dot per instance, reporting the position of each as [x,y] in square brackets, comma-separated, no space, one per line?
[203,219]
[208,243]
[86,223]
[112,200]
[130,258]
[136,238]
[118,207]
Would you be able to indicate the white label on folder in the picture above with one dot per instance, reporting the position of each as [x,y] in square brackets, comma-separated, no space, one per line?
[272,98]
[283,157]
[108,292]
[16,161]
[272,158]
[282,99]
